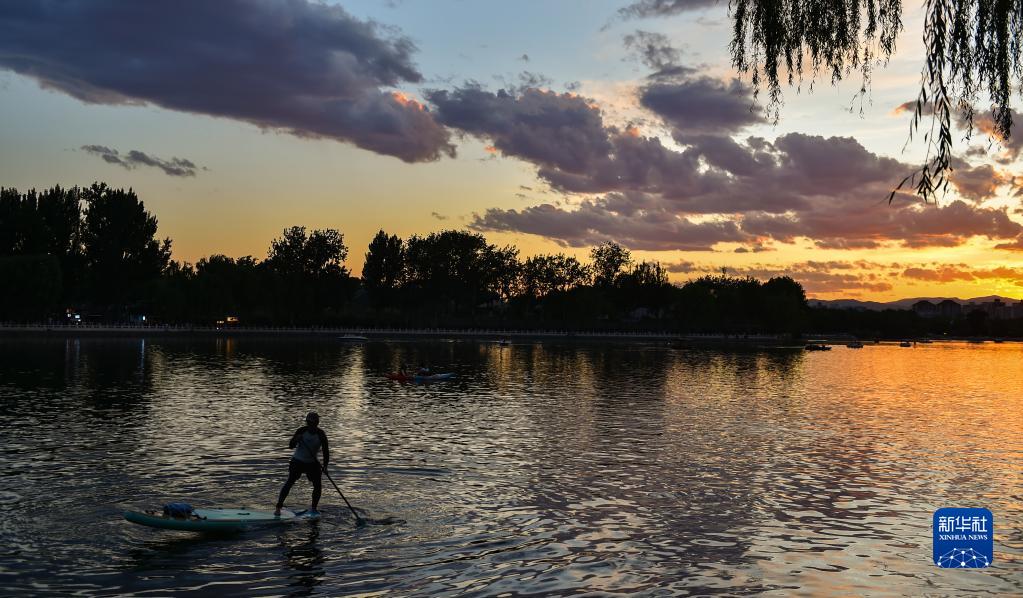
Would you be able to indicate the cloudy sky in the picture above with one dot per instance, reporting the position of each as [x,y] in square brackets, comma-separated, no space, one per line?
[550,125]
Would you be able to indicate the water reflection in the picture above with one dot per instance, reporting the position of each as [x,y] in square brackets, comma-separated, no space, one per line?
[302,554]
[542,469]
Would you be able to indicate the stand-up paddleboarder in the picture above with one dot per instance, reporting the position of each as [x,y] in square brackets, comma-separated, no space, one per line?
[307,441]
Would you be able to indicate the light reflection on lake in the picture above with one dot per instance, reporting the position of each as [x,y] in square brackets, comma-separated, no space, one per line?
[542,469]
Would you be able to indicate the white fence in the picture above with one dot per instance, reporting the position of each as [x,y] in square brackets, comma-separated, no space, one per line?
[88,328]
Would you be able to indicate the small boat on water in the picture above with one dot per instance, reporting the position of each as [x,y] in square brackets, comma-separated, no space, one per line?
[403,377]
[855,345]
[817,347]
[353,338]
[905,344]
[433,377]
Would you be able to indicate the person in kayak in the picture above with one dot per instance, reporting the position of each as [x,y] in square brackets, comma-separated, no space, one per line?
[307,441]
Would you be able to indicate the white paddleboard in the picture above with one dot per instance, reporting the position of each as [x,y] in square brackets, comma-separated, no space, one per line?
[205,520]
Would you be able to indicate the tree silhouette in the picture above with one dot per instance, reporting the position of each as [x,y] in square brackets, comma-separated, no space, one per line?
[32,287]
[46,223]
[449,270]
[225,286]
[319,254]
[545,274]
[505,269]
[384,269]
[307,273]
[609,260]
[121,252]
[449,278]
[971,45]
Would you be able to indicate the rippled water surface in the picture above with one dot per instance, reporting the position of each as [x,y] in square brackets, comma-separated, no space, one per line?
[543,469]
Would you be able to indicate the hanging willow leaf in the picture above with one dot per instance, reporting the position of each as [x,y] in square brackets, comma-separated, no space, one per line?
[971,46]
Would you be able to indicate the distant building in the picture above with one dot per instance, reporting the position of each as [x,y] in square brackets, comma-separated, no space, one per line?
[995,310]
[926,309]
[949,309]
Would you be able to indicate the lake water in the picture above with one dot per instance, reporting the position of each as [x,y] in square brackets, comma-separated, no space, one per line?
[544,469]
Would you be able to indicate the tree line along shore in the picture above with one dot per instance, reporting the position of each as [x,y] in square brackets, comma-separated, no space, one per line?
[92,254]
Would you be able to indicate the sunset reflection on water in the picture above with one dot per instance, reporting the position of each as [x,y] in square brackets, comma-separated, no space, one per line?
[541,469]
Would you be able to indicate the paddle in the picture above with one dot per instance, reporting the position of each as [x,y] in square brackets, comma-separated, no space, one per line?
[358,520]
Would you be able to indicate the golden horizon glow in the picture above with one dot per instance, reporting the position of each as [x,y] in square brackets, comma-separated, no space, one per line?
[252,181]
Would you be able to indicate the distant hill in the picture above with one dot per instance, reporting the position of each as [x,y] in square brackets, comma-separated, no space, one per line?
[899,304]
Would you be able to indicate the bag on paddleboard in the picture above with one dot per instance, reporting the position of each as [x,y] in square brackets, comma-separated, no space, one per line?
[178,509]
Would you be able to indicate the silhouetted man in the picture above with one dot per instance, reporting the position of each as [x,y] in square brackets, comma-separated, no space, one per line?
[307,441]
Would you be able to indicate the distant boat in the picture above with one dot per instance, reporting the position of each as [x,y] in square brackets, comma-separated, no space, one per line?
[355,338]
[905,344]
[855,345]
[817,347]
[998,340]
[433,377]
[925,341]
[403,377]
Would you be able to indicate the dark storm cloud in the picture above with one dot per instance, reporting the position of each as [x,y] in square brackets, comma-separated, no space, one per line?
[983,122]
[702,105]
[683,267]
[563,131]
[529,79]
[593,223]
[306,68]
[134,158]
[838,225]
[714,189]
[656,52]
[1012,146]
[565,137]
[641,9]
[851,277]
[977,183]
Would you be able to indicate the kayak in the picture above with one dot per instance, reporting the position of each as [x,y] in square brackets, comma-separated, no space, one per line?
[216,520]
[420,377]
[433,377]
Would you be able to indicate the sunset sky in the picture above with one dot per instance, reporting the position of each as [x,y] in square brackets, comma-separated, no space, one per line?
[549,125]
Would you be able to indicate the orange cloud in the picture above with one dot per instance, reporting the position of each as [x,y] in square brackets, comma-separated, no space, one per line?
[817,277]
[407,101]
[942,274]
[962,272]
[1014,245]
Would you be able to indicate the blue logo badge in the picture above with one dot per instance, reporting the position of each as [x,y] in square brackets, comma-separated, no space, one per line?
[963,538]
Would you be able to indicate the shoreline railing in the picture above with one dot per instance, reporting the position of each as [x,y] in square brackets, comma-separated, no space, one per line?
[370,332]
